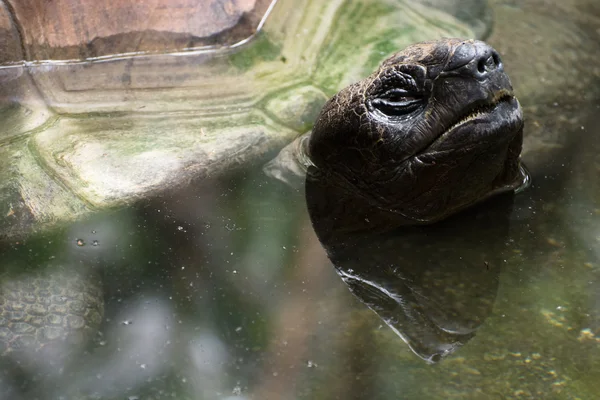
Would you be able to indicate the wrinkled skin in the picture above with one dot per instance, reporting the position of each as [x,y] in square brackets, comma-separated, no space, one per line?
[434,130]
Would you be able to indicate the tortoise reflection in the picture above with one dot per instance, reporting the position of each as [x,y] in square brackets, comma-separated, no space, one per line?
[433,285]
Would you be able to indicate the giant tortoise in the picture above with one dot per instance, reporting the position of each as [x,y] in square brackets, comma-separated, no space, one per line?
[129,115]
[96,130]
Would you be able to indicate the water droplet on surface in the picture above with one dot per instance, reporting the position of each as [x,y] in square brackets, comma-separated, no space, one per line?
[80,242]
[95,243]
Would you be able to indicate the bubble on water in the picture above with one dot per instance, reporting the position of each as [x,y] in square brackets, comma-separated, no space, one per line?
[94,231]
[80,242]
[95,243]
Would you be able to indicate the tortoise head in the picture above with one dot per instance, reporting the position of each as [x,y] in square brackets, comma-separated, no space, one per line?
[434,130]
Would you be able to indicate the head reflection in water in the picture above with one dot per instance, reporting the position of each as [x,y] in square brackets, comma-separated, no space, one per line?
[433,285]
[435,130]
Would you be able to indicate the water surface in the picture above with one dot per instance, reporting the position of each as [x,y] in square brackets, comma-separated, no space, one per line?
[221,289]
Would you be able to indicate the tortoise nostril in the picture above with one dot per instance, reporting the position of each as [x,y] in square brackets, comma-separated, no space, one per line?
[481,65]
[488,63]
[496,59]
[475,58]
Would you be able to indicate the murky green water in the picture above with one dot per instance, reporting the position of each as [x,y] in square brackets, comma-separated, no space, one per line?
[221,289]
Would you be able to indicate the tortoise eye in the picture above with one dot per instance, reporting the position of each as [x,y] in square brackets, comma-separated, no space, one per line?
[396,103]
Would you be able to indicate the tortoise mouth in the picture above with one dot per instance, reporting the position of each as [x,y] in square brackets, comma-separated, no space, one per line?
[503,107]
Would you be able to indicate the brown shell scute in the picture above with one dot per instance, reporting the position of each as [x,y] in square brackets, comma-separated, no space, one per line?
[77,30]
